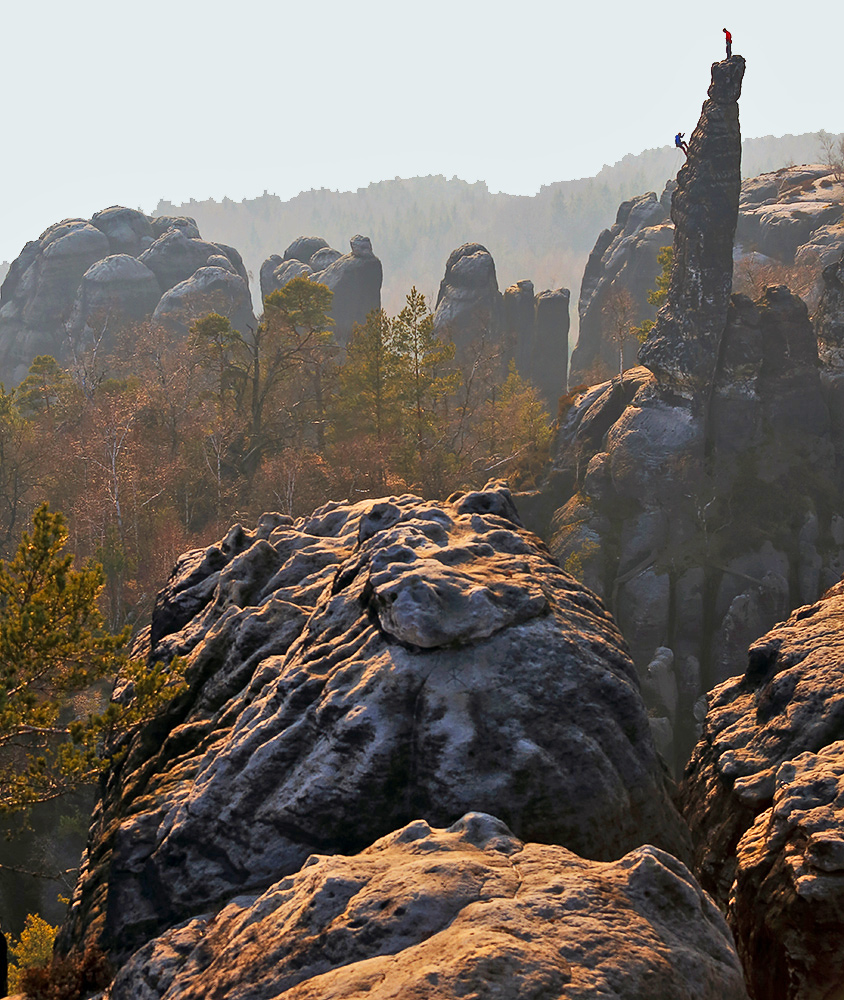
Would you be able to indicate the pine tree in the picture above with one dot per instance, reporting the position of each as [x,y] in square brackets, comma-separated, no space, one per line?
[54,646]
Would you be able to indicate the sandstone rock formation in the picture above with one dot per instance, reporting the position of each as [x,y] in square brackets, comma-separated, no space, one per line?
[214,287]
[536,331]
[117,289]
[763,793]
[787,217]
[351,672]
[622,263]
[81,280]
[466,911]
[355,278]
[469,308]
[519,325]
[682,348]
[699,495]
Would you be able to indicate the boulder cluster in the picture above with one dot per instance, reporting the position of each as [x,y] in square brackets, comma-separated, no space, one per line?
[354,278]
[82,280]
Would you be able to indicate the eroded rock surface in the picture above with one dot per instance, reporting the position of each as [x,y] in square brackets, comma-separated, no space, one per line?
[764,795]
[351,672]
[465,911]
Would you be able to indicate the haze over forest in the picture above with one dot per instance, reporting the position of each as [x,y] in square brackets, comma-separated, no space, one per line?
[414,223]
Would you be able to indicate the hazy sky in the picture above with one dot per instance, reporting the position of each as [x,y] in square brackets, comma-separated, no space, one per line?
[126,103]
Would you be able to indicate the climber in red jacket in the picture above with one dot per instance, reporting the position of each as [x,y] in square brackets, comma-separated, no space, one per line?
[729,44]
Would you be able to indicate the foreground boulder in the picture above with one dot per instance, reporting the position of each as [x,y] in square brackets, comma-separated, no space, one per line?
[467,911]
[764,795]
[353,671]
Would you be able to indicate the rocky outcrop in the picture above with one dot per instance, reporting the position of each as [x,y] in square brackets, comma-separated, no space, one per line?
[128,231]
[82,279]
[536,329]
[465,911]
[175,257]
[116,290]
[622,268]
[212,288]
[469,309]
[829,316]
[788,228]
[699,496]
[351,672]
[682,349]
[763,793]
[355,278]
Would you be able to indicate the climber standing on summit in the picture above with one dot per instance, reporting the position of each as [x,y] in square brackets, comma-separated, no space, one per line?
[729,44]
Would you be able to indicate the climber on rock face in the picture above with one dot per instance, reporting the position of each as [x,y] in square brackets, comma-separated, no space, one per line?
[680,143]
[729,40]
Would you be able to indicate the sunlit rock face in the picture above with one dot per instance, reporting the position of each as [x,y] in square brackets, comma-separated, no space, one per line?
[82,280]
[465,911]
[764,795]
[357,670]
[354,278]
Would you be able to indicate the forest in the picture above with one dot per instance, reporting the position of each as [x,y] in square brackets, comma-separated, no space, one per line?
[155,446]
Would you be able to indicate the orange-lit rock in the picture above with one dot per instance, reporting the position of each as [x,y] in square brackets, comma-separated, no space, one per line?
[464,912]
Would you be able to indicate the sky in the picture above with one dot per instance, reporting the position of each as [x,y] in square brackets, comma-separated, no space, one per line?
[128,103]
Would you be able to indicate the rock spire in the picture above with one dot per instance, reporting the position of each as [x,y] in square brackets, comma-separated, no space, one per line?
[682,349]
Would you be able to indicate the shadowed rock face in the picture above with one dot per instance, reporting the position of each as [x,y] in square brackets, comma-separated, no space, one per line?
[355,670]
[355,278]
[700,498]
[622,263]
[468,303]
[536,329]
[829,316]
[764,795]
[116,289]
[682,348]
[467,911]
[212,288]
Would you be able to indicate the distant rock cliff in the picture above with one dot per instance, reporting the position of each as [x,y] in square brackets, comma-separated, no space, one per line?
[354,278]
[83,280]
[352,672]
[521,326]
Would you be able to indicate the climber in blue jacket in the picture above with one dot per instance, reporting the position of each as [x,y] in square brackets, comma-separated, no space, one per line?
[680,143]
